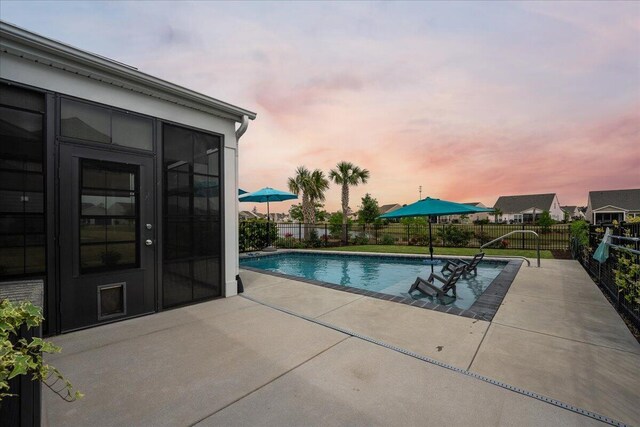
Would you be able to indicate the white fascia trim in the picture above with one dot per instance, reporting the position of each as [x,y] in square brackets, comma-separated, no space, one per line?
[25,44]
[611,209]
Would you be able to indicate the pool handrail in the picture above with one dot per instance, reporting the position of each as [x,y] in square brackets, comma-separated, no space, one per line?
[515,232]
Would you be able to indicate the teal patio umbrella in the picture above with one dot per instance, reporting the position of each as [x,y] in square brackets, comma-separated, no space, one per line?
[267,195]
[433,207]
[241,192]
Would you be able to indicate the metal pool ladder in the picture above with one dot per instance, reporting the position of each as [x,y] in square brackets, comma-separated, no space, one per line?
[514,256]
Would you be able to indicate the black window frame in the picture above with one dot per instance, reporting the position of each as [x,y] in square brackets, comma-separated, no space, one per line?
[110,145]
[25,216]
[191,217]
[115,166]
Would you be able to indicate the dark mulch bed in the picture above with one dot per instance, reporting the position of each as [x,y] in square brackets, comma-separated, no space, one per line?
[561,254]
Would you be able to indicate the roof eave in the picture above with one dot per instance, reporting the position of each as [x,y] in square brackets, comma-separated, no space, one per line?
[23,43]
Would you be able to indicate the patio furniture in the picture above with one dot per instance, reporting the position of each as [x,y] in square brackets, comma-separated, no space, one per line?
[428,287]
[469,266]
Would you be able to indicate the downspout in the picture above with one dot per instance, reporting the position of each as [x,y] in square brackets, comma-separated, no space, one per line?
[239,132]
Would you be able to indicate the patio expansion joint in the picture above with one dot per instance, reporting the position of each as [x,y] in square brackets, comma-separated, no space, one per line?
[466,372]
[269,382]
[486,332]
[636,353]
[339,307]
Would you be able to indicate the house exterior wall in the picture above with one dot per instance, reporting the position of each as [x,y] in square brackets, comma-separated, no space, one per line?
[41,76]
[62,71]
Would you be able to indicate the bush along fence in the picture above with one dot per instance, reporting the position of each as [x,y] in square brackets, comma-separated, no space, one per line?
[619,276]
[253,235]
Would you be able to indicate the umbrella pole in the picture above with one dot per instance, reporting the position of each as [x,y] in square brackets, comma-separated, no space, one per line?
[268,229]
[430,243]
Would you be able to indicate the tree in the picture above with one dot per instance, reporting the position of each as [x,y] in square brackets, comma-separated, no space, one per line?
[369,210]
[335,224]
[295,212]
[545,221]
[347,174]
[312,185]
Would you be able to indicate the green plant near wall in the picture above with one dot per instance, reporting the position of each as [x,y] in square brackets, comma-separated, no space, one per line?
[580,231]
[23,356]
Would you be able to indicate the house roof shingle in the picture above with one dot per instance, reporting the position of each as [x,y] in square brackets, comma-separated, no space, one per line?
[516,204]
[625,199]
[389,208]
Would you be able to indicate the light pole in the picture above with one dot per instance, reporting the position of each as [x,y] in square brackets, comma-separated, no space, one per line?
[420,191]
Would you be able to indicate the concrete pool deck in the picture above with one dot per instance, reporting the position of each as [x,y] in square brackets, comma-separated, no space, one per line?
[237,362]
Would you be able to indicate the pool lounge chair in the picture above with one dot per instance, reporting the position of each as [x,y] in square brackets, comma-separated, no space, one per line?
[428,287]
[469,266]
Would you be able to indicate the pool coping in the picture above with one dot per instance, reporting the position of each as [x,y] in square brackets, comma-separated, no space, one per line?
[484,308]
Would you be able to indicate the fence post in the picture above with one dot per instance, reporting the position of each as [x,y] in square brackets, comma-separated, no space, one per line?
[407,234]
[523,235]
[300,231]
[375,229]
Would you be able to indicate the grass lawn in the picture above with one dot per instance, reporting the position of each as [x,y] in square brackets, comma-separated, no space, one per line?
[423,250]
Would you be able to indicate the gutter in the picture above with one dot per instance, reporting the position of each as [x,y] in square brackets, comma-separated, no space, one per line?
[239,132]
[31,46]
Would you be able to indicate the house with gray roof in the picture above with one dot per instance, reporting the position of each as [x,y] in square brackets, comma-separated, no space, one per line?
[527,208]
[613,205]
[573,212]
[466,218]
[389,208]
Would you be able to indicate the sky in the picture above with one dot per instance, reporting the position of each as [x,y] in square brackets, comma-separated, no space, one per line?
[470,100]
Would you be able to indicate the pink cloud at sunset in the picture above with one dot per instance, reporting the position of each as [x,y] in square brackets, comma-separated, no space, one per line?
[469,100]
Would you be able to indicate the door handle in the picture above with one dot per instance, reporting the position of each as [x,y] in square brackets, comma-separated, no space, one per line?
[148,242]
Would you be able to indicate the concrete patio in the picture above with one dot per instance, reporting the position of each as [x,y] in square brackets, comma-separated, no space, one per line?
[238,362]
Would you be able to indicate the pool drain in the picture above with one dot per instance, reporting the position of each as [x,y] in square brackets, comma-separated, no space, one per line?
[410,353]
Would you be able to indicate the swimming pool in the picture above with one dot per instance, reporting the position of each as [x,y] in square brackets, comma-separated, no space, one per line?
[391,276]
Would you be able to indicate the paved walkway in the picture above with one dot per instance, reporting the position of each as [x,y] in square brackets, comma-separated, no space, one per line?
[237,362]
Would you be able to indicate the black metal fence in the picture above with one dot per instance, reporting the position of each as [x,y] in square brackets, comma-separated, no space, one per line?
[253,235]
[619,275]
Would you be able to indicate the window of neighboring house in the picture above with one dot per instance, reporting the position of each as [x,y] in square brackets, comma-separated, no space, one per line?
[22,224]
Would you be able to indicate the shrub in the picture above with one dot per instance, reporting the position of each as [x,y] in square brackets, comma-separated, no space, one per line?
[482,237]
[253,234]
[545,221]
[580,231]
[387,240]
[360,240]
[455,236]
[335,225]
[313,241]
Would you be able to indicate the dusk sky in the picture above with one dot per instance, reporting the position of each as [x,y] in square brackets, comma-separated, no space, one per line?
[469,100]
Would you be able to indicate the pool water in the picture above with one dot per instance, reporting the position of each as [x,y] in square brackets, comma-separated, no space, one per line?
[384,274]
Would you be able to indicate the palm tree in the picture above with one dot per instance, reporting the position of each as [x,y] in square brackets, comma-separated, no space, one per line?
[346,174]
[497,212]
[312,185]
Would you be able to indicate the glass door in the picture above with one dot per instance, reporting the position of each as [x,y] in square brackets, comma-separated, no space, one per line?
[107,236]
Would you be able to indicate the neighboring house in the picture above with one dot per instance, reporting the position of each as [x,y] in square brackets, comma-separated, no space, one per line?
[613,205]
[527,208]
[139,213]
[573,212]
[467,219]
[389,208]
[246,215]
